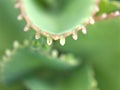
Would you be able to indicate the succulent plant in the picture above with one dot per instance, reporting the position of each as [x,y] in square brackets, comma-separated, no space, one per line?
[47,57]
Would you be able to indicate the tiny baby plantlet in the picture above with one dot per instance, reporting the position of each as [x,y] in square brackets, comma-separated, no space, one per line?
[69,45]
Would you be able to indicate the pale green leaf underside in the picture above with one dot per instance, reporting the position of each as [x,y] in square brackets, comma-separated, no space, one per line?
[80,79]
[74,13]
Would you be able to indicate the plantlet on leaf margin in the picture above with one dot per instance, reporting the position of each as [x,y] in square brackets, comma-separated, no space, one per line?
[79,24]
[107,16]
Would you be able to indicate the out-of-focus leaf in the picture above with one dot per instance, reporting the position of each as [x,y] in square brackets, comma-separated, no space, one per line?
[17,86]
[10,28]
[25,60]
[107,6]
[101,47]
[80,79]
[36,84]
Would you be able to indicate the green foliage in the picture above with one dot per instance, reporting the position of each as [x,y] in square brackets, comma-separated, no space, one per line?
[106,6]
[58,20]
[30,61]
[92,62]
[101,48]
[83,77]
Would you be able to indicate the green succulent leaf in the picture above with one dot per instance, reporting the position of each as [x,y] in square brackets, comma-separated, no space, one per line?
[100,47]
[13,66]
[36,84]
[80,79]
[58,16]
[10,28]
[108,6]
